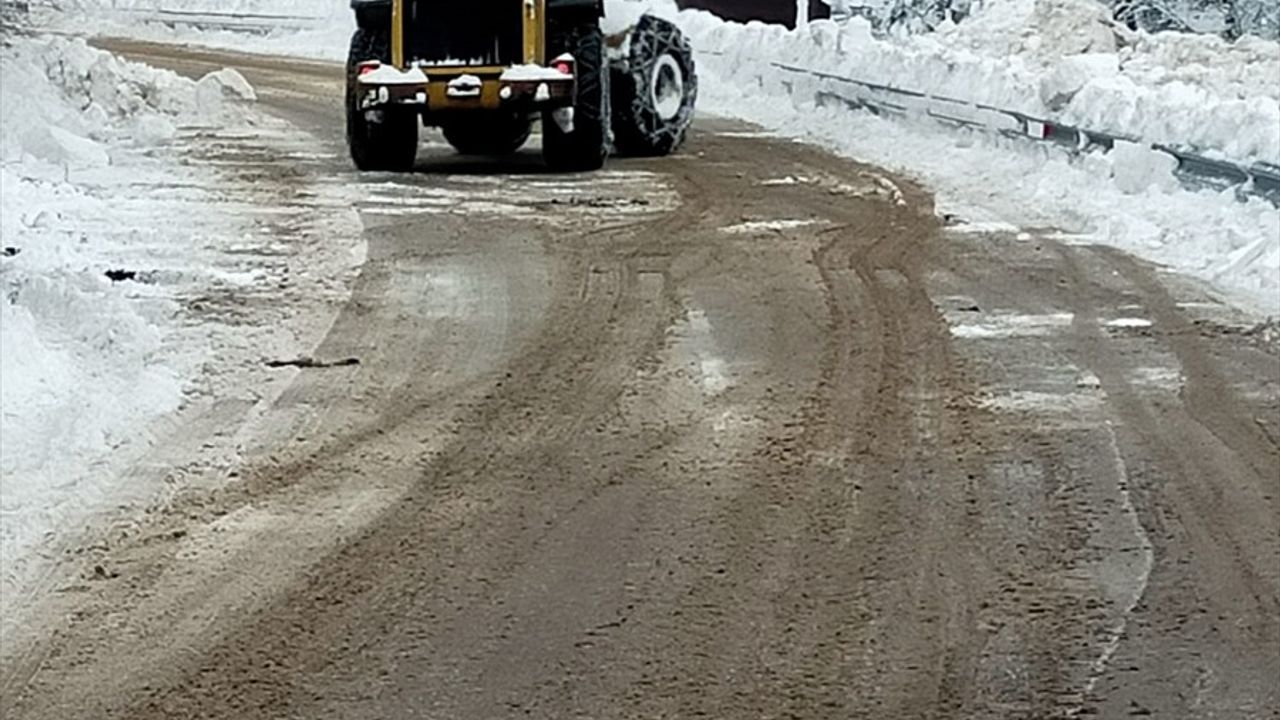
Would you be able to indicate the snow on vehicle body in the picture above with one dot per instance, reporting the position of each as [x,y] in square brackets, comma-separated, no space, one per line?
[483,70]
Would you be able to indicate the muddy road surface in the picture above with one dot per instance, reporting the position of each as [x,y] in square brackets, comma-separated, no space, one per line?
[747,432]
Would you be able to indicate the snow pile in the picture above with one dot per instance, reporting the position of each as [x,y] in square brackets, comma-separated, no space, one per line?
[1060,59]
[66,102]
[279,8]
[302,28]
[78,355]
[1229,18]
[1165,88]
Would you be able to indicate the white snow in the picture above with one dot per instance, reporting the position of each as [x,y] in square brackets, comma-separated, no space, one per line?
[388,75]
[80,362]
[1063,60]
[1002,326]
[319,29]
[227,83]
[533,73]
[93,181]
[1024,55]
[1138,168]
[1129,323]
[1055,58]
[1068,76]
[465,86]
[751,227]
[622,14]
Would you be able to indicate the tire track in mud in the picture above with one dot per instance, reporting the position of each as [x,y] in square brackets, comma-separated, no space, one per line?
[1109,370]
[566,379]
[1158,427]
[356,443]
[1206,393]
[800,521]
[1217,544]
[925,669]
[655,468]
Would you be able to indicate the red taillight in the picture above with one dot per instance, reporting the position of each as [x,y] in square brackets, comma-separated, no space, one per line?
[563,68]
[367,67]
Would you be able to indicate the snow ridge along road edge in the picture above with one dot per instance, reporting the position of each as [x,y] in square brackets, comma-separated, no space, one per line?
[120,392]
[1195,171]
[247,20]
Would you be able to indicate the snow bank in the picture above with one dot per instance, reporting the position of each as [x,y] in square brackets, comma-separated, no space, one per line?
[1061,59]
[1127,198]
[319,29]
[280,8]
[149,268]
[80,357]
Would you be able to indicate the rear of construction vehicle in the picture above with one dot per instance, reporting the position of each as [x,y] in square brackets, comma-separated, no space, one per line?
[485,71]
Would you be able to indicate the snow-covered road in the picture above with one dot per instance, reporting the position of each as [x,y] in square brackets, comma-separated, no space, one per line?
[1052,59]
[1064,60]
[741,432]
[98,154]
[756,385]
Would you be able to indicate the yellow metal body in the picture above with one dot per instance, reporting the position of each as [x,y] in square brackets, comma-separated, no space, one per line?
[397,34]
[535,32]
[438,97]
[533,12]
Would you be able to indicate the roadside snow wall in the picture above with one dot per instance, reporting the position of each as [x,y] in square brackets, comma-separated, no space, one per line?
[83,364]
[1061,59]
[302,28]
[1035,57]
[245,13]
[1064,60]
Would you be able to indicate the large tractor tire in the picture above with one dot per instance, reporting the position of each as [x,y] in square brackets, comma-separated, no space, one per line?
[381,139]
[488,135]
[655,89]
[585,145]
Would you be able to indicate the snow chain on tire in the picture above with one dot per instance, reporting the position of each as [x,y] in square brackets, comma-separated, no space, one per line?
[655,90]
[383,139]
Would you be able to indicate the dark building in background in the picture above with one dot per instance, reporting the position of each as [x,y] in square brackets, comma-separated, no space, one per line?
[782,12]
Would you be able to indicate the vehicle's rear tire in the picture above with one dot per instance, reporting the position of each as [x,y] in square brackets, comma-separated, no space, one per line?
[381,139]
[586,146]
[655,89]
[499,135]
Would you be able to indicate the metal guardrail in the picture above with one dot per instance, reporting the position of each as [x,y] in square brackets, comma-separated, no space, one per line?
[250,22]
[237,22]
[1194,169]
